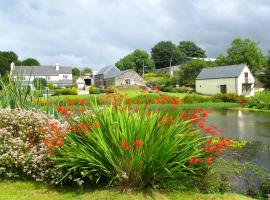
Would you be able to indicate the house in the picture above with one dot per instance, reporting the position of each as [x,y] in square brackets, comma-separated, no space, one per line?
[226,79]
[60,76]
[112,76]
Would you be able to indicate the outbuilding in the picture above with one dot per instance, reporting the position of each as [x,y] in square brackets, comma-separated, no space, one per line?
[236,79]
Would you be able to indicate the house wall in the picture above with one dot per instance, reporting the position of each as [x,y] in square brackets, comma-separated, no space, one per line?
[133,77]
[241,79]
[212,86]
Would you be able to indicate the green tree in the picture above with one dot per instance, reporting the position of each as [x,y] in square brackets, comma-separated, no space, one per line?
[165,53]
[40,83]
[30,62]
[246,51]
[6,58]
[87,71]
[191,49]
[138,60]
[221,60]
[190,70]
[76,72]
[265,77]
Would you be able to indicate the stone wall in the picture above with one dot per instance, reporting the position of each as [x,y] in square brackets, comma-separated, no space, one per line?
[130,77]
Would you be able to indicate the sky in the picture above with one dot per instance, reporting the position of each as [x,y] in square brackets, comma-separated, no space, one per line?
[96,33]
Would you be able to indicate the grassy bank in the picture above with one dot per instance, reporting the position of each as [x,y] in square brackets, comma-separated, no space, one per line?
[28,190]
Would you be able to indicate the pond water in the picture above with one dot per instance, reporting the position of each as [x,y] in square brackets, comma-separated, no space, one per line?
[242,125]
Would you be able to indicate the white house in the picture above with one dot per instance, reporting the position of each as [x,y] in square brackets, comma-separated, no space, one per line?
[60,76]
[226,79]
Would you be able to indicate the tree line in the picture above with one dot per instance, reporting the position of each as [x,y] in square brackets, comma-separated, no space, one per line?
[189,55]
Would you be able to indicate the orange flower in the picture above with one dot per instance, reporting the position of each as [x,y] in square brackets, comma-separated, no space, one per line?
[137,143]
[208,160]
[194,160]
[97,124]
[125,146]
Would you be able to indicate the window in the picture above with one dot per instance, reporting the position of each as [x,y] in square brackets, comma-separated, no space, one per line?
[48,78]
[65,77]
[127,81]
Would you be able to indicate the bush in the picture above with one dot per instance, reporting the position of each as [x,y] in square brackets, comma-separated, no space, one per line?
[260,100]
[23,152]
[196,99]
[91,89]
[184,89]
[66,91]
[110,89]
[40,83]
[131,146]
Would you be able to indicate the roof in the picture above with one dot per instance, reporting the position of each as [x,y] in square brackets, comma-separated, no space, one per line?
[230,71]
[110,71]
[49,70]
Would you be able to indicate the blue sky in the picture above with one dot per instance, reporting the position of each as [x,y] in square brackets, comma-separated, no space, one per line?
[95,33]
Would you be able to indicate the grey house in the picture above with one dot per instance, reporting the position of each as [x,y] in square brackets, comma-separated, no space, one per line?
[60,76]
[112,76]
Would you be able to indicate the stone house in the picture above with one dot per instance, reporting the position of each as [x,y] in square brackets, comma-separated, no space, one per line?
[112,76]
[226,79]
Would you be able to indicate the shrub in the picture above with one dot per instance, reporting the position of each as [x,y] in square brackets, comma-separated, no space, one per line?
[184,89]
[133,147]
[51,85]
[40,83]
[196,99]
[22,150]
[66,91]
[260,100]
[110,89]
[91,89]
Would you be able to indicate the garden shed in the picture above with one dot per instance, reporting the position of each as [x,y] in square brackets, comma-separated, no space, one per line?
[236,79]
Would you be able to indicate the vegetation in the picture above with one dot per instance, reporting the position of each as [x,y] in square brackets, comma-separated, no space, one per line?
[76,72]
[165,53]
[40,83]
[30,62]
[65,91]
[260,100]
[190,49]
[138,60]
[86,71]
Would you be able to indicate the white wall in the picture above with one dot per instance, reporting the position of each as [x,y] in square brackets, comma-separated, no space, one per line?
[241,80]
[212,86]
[61,76]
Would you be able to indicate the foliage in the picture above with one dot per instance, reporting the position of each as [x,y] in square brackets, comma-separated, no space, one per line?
[137,60]
[22,150]
[260,100]
[65,91]
[76,72]
[86,71]
[194,98]
[30,62]
[265,76]
[244,51]
[6,58]
[111,89]
[229,97]
[190,49]
[14,94]
[51,85]
[91,89]
[165,52]
[129,146]
[190,70]
[40,83]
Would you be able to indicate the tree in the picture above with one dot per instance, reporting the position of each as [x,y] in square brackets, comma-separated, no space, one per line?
[165,53]
[87,71]
[30,62]
[76,72]
[190,70]
[246,51]
[191,49]
[6,58]
[265,77]
[138,60]
[40,83]
[221,60]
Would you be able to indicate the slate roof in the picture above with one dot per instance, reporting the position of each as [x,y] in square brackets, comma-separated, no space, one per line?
[230,71]
[45,70]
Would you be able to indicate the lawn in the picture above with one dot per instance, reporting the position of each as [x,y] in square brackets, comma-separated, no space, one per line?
[28,190]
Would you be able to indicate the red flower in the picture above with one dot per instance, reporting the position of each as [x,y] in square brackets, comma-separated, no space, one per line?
[208,148]
[97,124]
[137,143]
[125,146]
[208,160]
[194,160]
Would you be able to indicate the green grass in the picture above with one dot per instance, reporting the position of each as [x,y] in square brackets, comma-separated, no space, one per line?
[28,190]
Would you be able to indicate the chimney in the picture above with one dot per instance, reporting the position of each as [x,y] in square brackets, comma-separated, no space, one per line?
[12,66]
[57,67]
